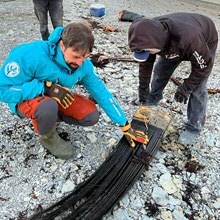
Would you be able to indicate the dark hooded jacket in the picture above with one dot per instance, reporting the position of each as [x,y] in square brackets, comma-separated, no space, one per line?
[183,36]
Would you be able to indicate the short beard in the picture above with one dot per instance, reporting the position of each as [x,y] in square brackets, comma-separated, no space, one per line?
[71,67]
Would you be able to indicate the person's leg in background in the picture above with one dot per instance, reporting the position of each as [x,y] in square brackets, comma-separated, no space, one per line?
[196,110]
[56,12]
[162,73]
[41,12]
[196,114]
[145,68]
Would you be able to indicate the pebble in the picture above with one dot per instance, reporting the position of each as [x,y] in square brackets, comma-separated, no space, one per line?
[68,186]
[160,196]
[217,204]
[167,183]
[166,215]
[92,137]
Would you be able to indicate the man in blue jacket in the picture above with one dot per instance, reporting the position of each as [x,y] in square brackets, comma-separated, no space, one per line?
[38,79]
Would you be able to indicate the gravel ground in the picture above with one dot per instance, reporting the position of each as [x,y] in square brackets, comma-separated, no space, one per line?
[181,182]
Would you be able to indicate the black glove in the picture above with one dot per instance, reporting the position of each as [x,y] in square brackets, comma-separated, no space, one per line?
[59,93]
[125,15]
[182,94]
[134,135]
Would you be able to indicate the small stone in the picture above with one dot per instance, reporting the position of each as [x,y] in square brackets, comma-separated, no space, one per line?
[160,196]
[111,142]
[26,199]
[53,167]
[92,137]
[166,215]
[216,204]
[68,186]
[167,183]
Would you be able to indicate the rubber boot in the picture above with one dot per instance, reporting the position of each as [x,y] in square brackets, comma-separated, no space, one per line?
[129,16]
[56,145]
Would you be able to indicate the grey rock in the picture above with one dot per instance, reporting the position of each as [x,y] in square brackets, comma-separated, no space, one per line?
[160,196]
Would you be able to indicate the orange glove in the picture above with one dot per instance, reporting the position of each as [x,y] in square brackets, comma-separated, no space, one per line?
[134,135]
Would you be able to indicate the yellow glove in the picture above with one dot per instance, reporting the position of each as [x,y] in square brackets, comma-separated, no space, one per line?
[133,135]
[59,93]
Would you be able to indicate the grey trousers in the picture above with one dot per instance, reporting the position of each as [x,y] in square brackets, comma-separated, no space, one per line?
[196,109]
[55,9]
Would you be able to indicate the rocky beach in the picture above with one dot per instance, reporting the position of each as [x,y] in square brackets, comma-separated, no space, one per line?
[181,182]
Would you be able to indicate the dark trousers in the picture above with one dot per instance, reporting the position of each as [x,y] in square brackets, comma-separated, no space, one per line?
[196,109]
[55,9]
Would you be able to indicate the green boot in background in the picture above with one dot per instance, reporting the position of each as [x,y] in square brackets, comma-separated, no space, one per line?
[56,145]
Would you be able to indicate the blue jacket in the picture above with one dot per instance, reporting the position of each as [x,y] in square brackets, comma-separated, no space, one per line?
[29,65]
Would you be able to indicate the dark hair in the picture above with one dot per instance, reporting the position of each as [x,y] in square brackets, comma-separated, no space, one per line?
[79,36]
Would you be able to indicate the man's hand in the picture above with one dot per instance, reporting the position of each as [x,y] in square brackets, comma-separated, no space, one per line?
[134,135]
[59,93]
[182,94]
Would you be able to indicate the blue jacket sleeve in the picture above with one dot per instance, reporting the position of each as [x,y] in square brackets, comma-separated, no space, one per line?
[18,93]
[104,98]
[18,81]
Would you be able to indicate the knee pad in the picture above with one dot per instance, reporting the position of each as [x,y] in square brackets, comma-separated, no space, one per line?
[45,116]
[90,119]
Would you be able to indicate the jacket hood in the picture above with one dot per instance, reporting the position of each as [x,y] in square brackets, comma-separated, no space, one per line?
[147,34]
[54,48]
[56,35]
[54,40]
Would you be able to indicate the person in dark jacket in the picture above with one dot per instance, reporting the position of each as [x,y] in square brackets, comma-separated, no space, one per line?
[53,8]
[38,81]
[175,38]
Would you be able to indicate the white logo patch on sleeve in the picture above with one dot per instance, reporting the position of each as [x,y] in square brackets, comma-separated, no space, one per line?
[200,60]
[12,69]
